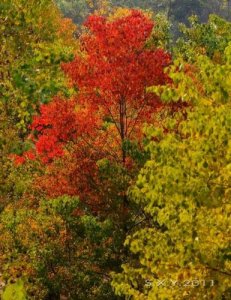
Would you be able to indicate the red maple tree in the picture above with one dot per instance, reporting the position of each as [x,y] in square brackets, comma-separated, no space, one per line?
[110,106]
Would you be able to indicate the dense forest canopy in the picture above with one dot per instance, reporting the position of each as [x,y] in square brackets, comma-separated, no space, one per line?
[176,10]
[115,170]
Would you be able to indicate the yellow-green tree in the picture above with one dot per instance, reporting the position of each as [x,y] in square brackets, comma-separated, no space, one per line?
[180,248]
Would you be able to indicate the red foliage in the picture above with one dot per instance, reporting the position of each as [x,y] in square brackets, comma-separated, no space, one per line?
[17,159]
[21,159]
[111,76]
[59,123]
[116,68]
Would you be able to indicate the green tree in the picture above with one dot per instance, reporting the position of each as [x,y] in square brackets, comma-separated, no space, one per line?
[209,38]
[34,41]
